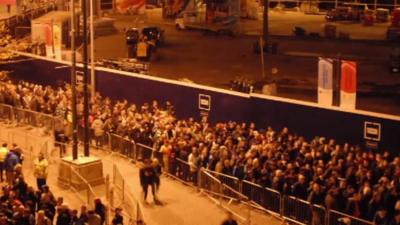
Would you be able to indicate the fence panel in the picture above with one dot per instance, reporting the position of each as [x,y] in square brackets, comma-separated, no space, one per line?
[143,152]
[265,197]
[182,171]
[231,184]
[6,113]
[209,183]
[296,209]
[338,218]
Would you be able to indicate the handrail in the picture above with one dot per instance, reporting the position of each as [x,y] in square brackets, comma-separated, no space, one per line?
[352,217]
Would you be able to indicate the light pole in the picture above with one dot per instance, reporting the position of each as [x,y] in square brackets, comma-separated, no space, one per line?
[265,21]
[92,71]
[73,85]
[85,81]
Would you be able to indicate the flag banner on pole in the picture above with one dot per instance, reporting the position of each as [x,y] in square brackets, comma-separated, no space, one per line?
[48,38]
[57,40]
[348,84]
[325,81]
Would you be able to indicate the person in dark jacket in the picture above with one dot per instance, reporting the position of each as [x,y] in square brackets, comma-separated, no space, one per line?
[118,218]
[147,178]
[299,189]
[158,171]
[100,209]
[10,162]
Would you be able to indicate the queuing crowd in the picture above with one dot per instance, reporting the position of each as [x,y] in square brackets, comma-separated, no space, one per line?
[359,182]
[22,204]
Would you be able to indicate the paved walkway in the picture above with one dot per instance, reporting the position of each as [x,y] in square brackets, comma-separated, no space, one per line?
[182,204]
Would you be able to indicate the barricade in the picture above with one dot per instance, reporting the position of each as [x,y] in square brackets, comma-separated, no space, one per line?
[123,146]
[338,218]
[6,113]
[209,183]
[293,209]
[182,171]
[143,152]
[232,184]
[296,209]
[265,197]
[124,199]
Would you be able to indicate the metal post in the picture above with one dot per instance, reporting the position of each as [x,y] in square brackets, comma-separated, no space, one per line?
[107,184]
[265,21]
[261,43]
[123,190]
[92,71]
[85,81]
[73,85]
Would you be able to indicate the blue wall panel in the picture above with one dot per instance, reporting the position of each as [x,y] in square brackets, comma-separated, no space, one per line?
[301,119]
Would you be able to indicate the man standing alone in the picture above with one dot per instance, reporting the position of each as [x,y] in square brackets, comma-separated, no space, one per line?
[40,172]
[147,178]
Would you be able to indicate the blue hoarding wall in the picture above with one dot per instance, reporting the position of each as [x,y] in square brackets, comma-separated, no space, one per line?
[39,71]
[311,121]
[222,106]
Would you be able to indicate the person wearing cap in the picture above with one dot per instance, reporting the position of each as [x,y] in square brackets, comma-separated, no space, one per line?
[40,171]
[147,177]
[3,155]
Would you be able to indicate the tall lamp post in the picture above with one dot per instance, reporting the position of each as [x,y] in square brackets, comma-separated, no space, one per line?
[85,81]
[265,21]
[73,84]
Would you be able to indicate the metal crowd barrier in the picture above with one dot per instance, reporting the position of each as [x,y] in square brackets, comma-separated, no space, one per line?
[288,207]
[267,198]
[338,218]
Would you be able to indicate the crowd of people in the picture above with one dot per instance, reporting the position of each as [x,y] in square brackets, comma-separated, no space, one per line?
[22,204]
[359,182]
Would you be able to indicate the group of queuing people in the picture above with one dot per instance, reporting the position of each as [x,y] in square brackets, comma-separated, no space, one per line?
[22,204]
[360,182]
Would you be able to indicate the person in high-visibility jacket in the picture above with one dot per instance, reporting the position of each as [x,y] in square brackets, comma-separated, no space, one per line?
[3,154]
[40,171]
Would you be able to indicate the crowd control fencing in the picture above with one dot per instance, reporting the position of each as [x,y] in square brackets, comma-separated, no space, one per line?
[121,197]
[287,207]
[338,218]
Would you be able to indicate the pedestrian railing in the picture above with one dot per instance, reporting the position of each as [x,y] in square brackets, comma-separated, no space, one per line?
[122,197]
[339,218]
[287,207]
[265,197]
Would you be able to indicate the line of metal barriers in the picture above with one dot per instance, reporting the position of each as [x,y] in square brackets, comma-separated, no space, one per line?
[289,208]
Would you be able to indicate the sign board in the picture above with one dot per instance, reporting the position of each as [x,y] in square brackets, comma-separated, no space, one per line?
[325,81]
[204,102]
[372,131]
